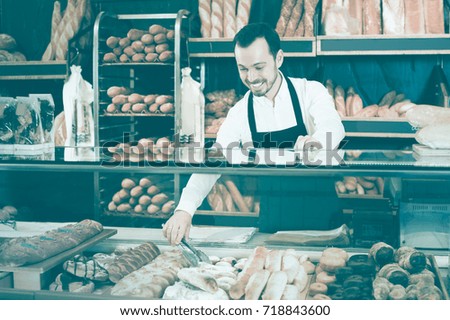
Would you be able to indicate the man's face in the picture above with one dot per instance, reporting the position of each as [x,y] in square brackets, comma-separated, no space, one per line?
[258,68]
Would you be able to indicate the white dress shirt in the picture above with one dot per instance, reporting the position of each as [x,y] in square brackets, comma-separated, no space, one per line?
[319,116]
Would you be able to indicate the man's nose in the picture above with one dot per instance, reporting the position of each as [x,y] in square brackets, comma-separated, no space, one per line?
[251,76]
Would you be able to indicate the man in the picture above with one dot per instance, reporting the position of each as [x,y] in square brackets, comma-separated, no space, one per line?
[276,112]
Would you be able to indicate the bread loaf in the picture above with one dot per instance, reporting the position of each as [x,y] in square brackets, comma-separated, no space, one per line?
[434,16]
[275,286]
[254,263]
[132,260]
[256,284]
[217,18]
[294,19]
[71,28]
[355,11]
[273,260]
[287,8]
[393,17]
[243,14]
[28,250]
[309,11]
[371,17]
[204,11]
[151,280]
[414,17]
[198,279]
[229,18]
[235,194]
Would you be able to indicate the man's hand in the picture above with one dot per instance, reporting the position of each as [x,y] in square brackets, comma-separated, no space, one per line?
[177,227]
[307,143]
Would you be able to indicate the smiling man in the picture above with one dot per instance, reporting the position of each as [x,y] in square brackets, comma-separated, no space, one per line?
[276,112]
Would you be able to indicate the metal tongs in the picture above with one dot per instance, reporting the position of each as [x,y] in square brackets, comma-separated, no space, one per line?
[193,255]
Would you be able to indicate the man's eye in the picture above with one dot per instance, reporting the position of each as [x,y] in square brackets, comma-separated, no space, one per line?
[242,69]
[259,68]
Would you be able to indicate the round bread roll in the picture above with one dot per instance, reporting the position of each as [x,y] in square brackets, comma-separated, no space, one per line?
[335,252]
[331,264]
[325,277]
[316,288]
[321,296]
[309,267]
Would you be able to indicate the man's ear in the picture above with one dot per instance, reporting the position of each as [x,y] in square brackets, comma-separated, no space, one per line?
[279,58]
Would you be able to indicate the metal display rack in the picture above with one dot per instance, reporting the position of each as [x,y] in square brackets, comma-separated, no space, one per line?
[150,77]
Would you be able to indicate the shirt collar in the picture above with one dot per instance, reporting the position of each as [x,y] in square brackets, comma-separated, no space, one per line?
[282,94]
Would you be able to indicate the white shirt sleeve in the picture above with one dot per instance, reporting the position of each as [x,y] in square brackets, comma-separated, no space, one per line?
[197,188]
[199,185]
[324,115]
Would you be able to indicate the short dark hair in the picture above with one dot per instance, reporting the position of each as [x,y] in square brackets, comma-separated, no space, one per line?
[248,34]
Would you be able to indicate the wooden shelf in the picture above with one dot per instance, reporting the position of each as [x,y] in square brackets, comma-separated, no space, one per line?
[223,47]
[33,70]
[383,45]
[226,213]
[136,64]
[138,115]
[378,127]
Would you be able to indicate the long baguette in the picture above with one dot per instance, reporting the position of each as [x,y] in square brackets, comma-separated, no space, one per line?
[236,195]
[273,260]
[275,286]
[254,263]
[256,284]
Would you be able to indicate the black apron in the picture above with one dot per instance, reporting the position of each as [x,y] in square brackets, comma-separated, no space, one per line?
[292,203]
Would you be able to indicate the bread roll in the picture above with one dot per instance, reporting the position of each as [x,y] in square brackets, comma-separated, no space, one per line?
[229,18]
[254,263]
[217,18]
[275,286]
[256,284]
[204,11]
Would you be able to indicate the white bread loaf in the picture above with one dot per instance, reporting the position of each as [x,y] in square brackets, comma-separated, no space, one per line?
[204,11]
[371,17]
[243,14]
[254,263]
[256,284]
[393,17]
[434,16]
[294,19]
[286,10]
[217,19]
[414,17]
[56,20]
[275,286]
[229,18]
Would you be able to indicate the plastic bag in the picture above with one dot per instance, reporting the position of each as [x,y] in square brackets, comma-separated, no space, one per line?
[192,119]
[29,129]
[78,97]
[8,120]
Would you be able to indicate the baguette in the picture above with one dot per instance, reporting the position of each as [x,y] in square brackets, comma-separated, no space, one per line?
[290,293]
[202,280]
[254,263]
[236,195]
[275,286]
[290,265]
[273,260]
[256,284]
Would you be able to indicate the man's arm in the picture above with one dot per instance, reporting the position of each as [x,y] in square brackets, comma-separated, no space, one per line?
[326,119]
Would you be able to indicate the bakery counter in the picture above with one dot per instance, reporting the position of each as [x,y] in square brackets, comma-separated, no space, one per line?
[256,162]
[231,250]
